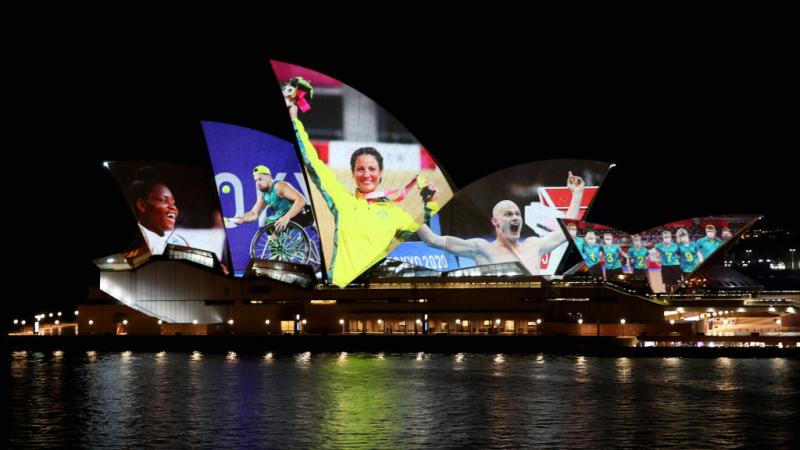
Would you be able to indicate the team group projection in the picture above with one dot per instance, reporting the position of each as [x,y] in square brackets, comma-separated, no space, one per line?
[356,189]
[663,257]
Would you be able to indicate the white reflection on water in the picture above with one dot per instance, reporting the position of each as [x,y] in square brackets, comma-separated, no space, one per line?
[623,366]
[303,359]
[581,369]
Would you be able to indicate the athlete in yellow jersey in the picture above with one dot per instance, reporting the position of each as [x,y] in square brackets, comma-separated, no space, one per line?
[364,228]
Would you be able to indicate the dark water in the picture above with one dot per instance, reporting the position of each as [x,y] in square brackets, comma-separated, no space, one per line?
[175,400]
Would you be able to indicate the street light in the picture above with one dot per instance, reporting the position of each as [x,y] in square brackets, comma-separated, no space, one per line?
[230,321]
[341,322]
[125,322]
[791,252]
[91,322]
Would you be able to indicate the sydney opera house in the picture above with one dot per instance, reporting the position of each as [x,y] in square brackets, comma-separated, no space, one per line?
[355,227]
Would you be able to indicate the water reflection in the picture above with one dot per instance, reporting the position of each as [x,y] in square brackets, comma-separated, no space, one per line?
[623,370]
[355,400]
[303,359]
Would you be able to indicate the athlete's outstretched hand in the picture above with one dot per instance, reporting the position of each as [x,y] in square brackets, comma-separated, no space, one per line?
[575,183]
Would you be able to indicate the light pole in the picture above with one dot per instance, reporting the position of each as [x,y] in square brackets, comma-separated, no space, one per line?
[341,322]
[791,252]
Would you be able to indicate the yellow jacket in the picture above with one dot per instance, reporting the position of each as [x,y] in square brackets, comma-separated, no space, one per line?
[364,230]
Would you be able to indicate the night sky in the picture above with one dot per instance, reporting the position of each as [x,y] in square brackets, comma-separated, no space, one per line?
[695,129]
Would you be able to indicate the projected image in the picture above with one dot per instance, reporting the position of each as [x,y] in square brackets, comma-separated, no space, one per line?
[510,216]
[664,257]
[263,196]
[173,204]
[372,184]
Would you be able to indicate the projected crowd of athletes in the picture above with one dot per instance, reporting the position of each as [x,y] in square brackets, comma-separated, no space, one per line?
[665,256]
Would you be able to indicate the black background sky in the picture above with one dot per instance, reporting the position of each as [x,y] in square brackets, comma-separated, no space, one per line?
[696,126]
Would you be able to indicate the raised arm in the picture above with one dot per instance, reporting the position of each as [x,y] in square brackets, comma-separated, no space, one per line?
[576,185]
[323,177]
[557,237]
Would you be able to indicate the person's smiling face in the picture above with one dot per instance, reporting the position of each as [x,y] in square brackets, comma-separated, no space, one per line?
[158,211]
[367,173]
